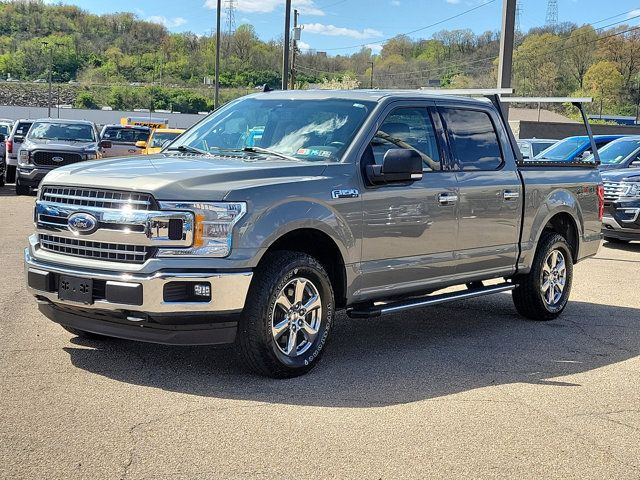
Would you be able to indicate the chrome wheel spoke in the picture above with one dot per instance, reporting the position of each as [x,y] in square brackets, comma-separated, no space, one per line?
[554,259]
[280,328]
[300,287]
[292,343]
[546,285]
[309,332]
[551,295]
[561,267]
[313,303]
[283,302]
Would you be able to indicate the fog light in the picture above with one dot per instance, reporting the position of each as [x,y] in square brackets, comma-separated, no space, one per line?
[202,290]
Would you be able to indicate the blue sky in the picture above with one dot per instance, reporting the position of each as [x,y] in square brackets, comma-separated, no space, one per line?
[340,26]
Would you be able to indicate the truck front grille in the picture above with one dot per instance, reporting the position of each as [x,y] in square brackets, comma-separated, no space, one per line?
[91,197]
[97,250]
[55,159]
[613,191]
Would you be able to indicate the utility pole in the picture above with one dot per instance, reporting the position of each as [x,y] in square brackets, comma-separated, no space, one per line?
[371,82]
[216,98]
[285,46]
[505,61]
[296,37]
[50,80]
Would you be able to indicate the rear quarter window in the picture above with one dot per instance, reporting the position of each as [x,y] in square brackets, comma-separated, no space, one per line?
[473,138]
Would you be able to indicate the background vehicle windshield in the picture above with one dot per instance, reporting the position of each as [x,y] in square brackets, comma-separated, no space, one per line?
[616,152]
[125,135]
[312,130]
[74,132]
[561,150]
[158,138]
[540,146]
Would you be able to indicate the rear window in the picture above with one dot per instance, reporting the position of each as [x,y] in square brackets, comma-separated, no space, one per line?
[159,138]
[125,135]
[473,139]
[22,128]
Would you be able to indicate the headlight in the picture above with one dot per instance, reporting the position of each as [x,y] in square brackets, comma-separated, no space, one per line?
[24,156]
[212,229]
[632,189]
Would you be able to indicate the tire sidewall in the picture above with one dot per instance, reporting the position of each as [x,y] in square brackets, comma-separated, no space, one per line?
[320,280]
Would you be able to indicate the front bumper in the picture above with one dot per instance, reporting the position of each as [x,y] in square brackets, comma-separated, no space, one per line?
[31,176]
[134,306]
[622,220]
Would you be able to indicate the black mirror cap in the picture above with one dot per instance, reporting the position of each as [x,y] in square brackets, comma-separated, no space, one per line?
[105,144]
[399,165]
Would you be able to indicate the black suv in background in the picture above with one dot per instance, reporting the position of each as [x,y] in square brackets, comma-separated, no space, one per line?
[52,143]
[621,222]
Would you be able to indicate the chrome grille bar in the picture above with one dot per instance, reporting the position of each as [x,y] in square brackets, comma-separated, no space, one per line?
[98,250]
[91,197]
[613,191]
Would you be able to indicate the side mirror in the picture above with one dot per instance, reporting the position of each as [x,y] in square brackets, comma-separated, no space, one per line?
[141,144]
[105,144]
[399,165]
[635,163]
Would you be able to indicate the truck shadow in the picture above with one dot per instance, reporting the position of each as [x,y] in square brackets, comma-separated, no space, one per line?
[424,354]
[625,247]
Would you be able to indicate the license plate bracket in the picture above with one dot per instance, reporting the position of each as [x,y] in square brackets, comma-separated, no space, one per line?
[75,289]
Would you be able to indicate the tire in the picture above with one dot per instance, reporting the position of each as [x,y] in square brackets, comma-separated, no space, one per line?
[2,180]
[529,298]
[283,282]
[84,334]
[22,189]
[616,240]
[10,174]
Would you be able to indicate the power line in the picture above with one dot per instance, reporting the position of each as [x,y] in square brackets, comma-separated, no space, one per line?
[416,30]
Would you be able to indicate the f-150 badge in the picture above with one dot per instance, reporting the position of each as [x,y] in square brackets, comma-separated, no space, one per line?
[350,193]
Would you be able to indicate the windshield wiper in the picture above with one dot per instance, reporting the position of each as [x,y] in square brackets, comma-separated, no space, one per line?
[269,152]
[188,148]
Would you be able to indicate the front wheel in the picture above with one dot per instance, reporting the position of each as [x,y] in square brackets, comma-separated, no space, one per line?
[287,317]
[10,174]
[22,189]
[543,293]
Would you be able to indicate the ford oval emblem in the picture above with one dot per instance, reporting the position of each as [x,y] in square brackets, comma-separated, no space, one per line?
[82,223]
[57,159]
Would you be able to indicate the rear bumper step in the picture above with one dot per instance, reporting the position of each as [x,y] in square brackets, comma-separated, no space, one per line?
[395,307]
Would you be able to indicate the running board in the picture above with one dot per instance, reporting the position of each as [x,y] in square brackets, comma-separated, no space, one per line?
[389,308]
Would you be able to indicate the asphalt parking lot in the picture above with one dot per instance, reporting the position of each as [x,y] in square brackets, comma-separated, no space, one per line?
[467,389]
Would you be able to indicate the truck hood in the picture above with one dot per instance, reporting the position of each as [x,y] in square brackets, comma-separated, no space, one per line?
[58,145]
[623,174]
[170,176]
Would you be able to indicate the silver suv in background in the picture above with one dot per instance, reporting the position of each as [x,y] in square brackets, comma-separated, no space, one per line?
[5,130]
[12,147]
[120,140]
[531,147]
[52,143]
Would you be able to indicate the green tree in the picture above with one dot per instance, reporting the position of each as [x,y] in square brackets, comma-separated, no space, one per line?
[604,82]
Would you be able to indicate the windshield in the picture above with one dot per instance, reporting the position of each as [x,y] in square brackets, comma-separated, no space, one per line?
[561,150]
[616,152]
[310,130]
[125,135]
[72,132]
[158,138]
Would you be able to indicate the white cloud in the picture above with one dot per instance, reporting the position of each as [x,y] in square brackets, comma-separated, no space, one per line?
[333,31]
[374,47]
[633,13]
[453,2]
[303,45]
[167,22]
[306,7]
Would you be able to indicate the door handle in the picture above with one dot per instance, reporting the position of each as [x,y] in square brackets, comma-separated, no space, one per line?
[509,195]
[447,198]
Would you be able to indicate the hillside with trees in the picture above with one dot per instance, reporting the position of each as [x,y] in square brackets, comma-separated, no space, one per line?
[124,62]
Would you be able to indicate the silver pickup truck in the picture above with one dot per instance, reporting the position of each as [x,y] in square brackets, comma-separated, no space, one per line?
[281,208]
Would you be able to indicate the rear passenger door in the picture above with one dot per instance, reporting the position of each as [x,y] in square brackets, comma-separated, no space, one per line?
[490,191]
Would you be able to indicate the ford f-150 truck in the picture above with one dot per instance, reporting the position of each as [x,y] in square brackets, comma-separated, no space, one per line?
[371,202]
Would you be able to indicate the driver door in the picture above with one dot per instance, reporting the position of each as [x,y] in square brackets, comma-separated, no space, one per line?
[409,230]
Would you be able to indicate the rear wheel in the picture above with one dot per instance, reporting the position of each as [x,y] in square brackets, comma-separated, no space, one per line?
[543,293]
[22,189]
[10,174]
[288,316]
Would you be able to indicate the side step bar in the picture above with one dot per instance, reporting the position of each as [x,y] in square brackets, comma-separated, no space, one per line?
[389,308]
